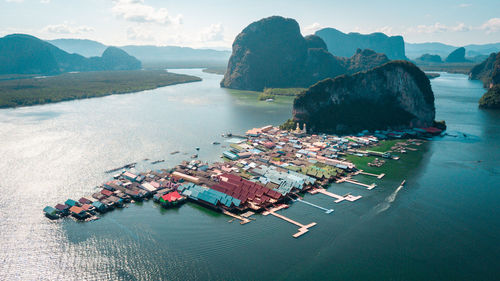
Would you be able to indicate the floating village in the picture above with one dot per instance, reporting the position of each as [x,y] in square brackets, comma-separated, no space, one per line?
[263,172]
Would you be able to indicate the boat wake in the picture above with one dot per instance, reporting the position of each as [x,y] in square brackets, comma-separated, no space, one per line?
[386,204]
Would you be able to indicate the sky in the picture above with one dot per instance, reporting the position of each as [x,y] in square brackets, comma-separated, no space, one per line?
[215,23]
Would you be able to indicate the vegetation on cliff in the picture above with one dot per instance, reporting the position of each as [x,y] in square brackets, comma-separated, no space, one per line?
[271,93]
[484,71]
[491,99]
[272,53]
[395,95]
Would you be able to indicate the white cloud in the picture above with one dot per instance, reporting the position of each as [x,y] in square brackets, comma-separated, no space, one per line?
[310,29]
[14,1]
[66,28]
[215,32]
[492,25]
[137,11]
[139,33]
[464,5]
[385,29]
[438,28]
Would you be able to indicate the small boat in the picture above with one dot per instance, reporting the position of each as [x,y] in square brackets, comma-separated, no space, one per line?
[216,142]
[194,156]
[174,152]
[269,100]
[197,148]
[157,161]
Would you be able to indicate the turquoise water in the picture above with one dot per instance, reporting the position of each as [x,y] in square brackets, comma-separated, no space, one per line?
[444,224]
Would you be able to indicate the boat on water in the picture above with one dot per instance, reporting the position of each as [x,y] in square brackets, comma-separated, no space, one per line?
[215,142]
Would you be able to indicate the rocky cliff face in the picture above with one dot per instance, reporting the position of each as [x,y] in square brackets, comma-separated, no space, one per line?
[394,95]
[345,45]
[271,53]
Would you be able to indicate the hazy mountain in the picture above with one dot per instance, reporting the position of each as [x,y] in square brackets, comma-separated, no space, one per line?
[414,50]
[175,54]
[148,54]
[345,45]
[26,54]
[84,47]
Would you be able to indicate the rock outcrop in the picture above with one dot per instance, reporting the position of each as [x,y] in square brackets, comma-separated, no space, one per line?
[487,71]
[395,95]
[272,53]
[25,54]
[363,60]
[457,55]
[345,45]
[491,99]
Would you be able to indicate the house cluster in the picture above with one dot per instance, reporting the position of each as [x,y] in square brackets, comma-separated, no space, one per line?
[268,167]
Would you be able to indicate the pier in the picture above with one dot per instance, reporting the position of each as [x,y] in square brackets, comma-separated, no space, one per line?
[303,229]
[328,211]
[361,172]
[349,180]
[243,220]
[347,197]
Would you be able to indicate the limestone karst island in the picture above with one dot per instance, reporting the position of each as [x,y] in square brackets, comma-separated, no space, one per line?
[265,140]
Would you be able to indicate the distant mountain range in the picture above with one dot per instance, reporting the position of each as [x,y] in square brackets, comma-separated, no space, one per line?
[345,44]
[414,50]
[26,54]
[145,53]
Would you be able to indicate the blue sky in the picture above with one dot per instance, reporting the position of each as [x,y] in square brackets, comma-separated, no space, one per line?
[215,23]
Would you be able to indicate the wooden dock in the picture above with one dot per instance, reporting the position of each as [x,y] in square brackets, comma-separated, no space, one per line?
[361,172]
[339,198]
[349,180]
[242,219]
[303,229]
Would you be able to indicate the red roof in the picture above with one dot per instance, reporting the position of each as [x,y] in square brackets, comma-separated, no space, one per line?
[432,130]
[106,192]
[86,207]
[172,196]
[76,209]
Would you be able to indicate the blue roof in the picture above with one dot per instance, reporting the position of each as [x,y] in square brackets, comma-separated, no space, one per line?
[70,202]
